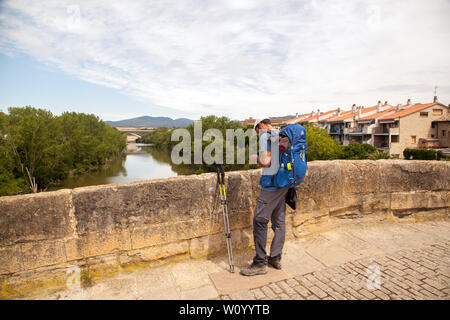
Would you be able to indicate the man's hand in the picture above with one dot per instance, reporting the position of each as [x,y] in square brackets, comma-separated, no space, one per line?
[264,161]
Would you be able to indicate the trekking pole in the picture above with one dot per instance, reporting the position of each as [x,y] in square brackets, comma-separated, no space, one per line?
[223,200]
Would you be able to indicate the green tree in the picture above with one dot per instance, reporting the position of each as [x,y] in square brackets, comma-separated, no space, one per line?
[11,181]
[31,135]
[161,138]
[42,149]
[320,145]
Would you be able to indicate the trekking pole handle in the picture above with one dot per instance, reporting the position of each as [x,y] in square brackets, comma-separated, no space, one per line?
[220,173]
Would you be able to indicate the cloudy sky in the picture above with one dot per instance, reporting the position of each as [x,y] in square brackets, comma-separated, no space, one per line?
[238,58]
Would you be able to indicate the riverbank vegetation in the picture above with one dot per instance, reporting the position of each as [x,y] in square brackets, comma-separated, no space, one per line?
[161,139]
[38,149]
[320,145]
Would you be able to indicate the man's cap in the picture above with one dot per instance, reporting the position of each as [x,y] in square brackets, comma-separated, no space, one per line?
[257,121]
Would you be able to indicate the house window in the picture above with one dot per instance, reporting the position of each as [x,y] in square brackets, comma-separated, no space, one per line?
[443,133]
[394,139]
[424,114]
[437,112]
[413,139]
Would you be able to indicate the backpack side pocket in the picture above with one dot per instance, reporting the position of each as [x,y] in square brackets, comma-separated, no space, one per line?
[266,181]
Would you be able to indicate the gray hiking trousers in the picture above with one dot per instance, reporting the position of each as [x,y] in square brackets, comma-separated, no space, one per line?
[271,206]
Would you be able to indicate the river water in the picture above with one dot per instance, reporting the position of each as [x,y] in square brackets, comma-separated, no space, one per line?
[140,162]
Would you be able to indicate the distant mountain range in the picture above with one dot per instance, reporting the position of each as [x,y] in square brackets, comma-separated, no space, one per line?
[283,117]
[154,122]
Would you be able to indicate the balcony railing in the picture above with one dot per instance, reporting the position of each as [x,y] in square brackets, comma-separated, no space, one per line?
[380,130]
[394,130]
[336,130]
[350,130]
[357,130]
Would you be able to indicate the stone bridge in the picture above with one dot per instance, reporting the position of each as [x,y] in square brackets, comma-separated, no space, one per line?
[132,137]
[92,242]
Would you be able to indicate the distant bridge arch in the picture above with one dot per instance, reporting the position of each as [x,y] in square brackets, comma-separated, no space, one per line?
[131,134]
[132,137]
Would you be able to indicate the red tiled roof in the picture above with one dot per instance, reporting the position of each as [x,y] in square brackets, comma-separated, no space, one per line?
[328,114]
[321,115]
[344,115]
[298,118]
[308,117]
[378,114]
[408,110]
[349,114]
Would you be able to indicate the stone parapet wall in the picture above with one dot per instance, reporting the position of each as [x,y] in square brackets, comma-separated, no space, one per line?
[99,230]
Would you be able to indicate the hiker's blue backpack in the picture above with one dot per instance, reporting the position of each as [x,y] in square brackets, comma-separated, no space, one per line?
[293,161]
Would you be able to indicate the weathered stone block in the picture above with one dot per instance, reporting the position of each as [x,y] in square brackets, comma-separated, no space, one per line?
[419,200]
[347,204]
[213,244]
[246,238]
[204,246]
[35,217]
[164,251]
[42,253]
[239,192]
[413,175]
[358,177]
[241,220]
[34,284]
[95,244]
[391,178]
[120,206]
[254,176]
[428,215]
[10,259]
[375,202]
[184,230]
[322,177]
[148,236]
[151,235]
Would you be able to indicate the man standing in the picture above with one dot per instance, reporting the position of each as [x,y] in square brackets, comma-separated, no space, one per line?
[270,206]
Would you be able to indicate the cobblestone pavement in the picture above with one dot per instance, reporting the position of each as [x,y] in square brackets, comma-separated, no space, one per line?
[404,275]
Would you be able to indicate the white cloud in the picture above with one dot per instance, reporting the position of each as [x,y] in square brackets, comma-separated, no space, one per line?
[241,58]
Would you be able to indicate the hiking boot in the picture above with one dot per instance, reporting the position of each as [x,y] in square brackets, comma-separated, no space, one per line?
[254,269]
[275,262]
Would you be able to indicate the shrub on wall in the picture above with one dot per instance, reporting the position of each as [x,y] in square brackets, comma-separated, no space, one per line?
[423,154]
